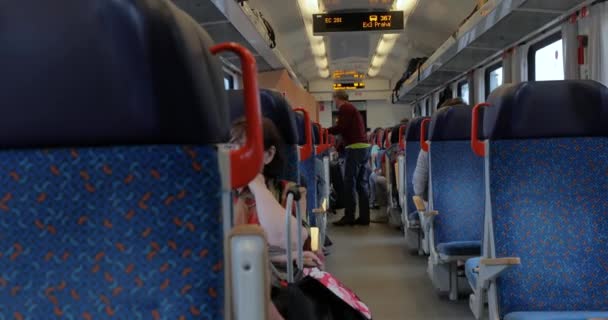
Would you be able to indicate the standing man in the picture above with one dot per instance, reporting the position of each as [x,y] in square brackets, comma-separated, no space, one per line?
[356,168]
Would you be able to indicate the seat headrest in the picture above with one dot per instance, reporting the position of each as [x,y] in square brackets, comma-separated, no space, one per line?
[412,133]
[274,107]
[97,72]
[547,109]
[300,128]
[451,123]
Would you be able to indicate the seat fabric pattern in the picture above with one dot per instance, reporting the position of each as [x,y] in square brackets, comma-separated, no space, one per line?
[291,167]
[111,233]
[412,149]
[549,207]
[307,169]
[458,191]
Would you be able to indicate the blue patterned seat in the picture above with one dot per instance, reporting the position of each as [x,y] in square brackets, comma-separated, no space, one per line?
[456,191]
[415,237]
[307,171]
[547,182]
[412,149]
[106,213]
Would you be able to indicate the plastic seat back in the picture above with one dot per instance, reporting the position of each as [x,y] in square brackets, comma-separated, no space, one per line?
[111,196]
[456,177]
[548,167]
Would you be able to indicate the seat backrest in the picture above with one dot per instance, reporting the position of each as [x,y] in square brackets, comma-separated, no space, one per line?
[395,134]
[316,135]
[547,187]
[456,186]
[412,149]
[276,108]
[307,169]
[107,212]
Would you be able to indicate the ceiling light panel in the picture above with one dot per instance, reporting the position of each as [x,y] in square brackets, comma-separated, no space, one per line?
[387,41]
[317,44]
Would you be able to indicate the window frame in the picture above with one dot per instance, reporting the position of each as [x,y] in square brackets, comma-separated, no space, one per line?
[538,46]
[489,71]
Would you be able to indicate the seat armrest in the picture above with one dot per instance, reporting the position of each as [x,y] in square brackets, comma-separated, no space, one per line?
[426,219]
[419,203]
[430,214]
[490,269]
[248,272]
[500,261]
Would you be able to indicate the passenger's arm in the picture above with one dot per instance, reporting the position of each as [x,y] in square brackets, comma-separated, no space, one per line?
[340,126]
[310,259]
[272,216]
[421,174]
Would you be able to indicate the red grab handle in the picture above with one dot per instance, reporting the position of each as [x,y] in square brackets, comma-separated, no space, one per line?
[423,128]
[247,161]
[306,150]
[479,147]
[402,137]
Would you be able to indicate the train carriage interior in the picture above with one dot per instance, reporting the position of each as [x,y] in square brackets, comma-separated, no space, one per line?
[304,159]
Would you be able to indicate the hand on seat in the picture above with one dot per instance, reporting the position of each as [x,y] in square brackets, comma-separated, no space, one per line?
[311,260]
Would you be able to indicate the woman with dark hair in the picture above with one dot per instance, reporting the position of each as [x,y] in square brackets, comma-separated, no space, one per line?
[263,201]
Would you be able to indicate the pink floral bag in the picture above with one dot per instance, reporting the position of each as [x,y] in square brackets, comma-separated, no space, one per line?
[339,290]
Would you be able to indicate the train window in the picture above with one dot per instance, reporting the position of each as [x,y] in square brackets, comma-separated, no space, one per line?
[546,59]
[228,81]
[463,90]
[493,77]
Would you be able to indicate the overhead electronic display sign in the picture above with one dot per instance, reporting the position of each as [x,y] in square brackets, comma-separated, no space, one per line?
[340,74]
[358,21]
[349,86]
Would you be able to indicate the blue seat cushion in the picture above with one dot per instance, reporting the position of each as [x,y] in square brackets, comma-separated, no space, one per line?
[557,315]
[460,248]
[470,271]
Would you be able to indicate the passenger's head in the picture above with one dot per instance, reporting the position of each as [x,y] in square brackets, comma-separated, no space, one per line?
[452,102]
[404,121]
[340,97]
[273,145]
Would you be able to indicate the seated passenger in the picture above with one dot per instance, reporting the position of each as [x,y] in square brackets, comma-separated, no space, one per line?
[377,181]
[372,177]
[378,178]
[420,180]
[263,201]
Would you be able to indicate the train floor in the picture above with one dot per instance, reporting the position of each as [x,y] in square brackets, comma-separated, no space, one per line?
[374,262]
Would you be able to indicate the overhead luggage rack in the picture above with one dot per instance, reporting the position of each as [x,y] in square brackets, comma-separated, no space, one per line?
[496,26]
